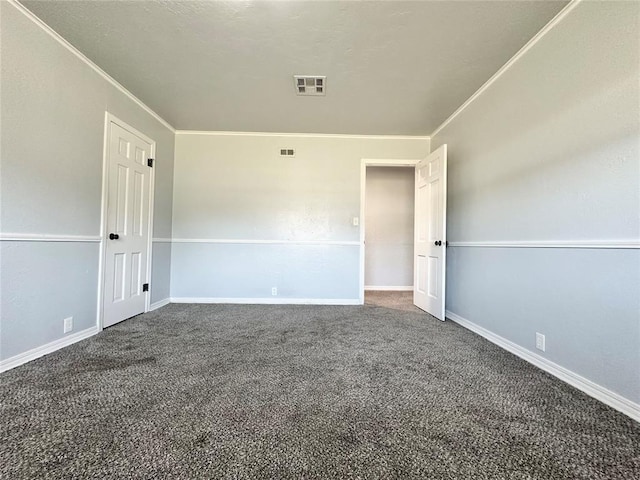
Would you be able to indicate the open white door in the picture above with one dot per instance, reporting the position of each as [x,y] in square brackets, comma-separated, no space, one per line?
[128,218]
[430,233]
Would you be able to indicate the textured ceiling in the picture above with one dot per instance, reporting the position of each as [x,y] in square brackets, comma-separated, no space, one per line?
[392,67]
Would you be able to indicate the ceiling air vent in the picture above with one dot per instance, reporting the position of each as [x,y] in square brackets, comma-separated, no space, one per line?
[310,85]
[287,152]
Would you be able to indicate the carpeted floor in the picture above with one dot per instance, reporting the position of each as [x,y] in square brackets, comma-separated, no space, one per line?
[394,300]
[289,392]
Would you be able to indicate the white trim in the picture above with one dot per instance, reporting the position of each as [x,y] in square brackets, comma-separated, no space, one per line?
[592,389]
[364,163]
[385,288]
[389,162]
[265,242]
[44,237]
[50,347]
[597,244]
[161,240]
[159,304]
[103,219]
[535,39]
[27,13]
[302,135]
[269,301]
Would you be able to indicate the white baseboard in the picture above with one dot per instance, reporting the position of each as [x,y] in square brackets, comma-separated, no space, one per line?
[592,389]
[159,304]
[269,301]
[406,288]
[51,347]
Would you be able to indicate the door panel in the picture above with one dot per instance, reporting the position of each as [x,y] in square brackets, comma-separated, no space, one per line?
[432,277]
[122,188]
[434,210]
[430,227]
[118,277]
[128,211]
[138,202]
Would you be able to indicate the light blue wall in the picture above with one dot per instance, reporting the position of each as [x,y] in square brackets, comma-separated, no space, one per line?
[247,220]
[52,108]
[550,152]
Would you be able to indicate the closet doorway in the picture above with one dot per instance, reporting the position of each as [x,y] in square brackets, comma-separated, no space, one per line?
[387,233]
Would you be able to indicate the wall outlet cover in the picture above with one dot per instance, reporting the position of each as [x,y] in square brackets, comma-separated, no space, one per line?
[68,324]
[540,341]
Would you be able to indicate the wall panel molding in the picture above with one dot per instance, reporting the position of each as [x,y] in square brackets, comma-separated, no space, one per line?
[591,244]
[265,242]
[43,237]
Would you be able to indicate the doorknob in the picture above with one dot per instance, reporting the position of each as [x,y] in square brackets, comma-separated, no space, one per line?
[114,236]
[437,243]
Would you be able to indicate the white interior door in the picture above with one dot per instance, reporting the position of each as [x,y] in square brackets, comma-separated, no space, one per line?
[128,213]
[430,233]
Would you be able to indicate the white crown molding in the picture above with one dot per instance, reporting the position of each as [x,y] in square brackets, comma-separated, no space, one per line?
[264,242]
[269,301]
[535,39]
[588,244]
[51,347]
[38,237]
[56,36]
[592,389]
[302,135]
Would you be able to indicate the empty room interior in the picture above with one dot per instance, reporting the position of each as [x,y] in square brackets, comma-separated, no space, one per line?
[320,239]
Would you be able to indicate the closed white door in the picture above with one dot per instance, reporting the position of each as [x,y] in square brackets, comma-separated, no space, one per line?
[430,233]
[128,211]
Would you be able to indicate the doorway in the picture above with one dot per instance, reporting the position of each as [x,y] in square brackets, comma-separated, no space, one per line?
[127,213]
[429,229]
[386,257]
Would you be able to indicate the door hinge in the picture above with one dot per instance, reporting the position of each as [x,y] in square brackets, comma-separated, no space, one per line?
[150,162]
[145,287]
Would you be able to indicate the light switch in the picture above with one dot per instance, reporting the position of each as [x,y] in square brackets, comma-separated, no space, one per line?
[356,221]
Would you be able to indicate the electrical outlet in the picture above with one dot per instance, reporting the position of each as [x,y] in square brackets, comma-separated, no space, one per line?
[68,324]
[540,341]
[274,291]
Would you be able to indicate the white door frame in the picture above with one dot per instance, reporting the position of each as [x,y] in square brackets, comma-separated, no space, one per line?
[373,162]
[108,119]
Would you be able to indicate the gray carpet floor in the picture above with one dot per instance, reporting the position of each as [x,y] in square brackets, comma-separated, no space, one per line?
[289,392]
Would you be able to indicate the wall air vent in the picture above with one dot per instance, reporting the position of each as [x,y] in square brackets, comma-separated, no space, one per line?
[310,85]
[287,152]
